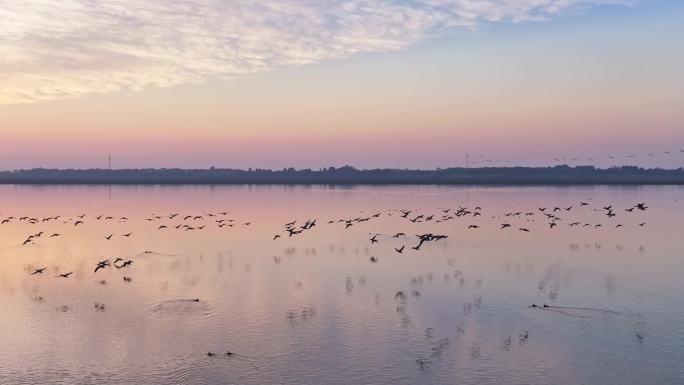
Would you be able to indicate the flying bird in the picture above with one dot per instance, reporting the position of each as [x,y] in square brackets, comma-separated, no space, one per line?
[38,271]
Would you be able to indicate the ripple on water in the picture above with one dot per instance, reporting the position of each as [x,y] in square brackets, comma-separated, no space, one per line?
[183,308]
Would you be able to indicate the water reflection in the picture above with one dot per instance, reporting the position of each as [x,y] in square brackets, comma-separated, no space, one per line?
[323,303]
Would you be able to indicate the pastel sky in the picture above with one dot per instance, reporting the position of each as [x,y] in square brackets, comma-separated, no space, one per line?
[305,83]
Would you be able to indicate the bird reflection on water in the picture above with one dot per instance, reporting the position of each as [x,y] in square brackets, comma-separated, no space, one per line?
[183,279]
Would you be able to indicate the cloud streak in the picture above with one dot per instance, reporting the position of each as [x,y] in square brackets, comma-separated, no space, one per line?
[53,49]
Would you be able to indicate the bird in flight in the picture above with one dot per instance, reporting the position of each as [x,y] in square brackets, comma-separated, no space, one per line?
[38,271]
[101,265]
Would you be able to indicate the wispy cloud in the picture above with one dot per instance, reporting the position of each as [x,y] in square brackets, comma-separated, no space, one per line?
[56,49]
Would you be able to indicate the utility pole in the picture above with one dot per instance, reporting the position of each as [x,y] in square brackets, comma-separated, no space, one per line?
[467,161]
[109,158]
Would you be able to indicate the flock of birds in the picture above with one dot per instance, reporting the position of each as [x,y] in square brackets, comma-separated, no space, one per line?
[553,216]
[471,219]
[484,160]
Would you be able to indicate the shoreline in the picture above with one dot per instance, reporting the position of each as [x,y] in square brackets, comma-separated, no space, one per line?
[347,175]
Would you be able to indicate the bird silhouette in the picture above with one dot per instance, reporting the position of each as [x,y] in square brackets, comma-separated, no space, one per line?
[101,265]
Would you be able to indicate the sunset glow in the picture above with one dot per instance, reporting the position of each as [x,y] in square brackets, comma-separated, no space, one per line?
[295,83]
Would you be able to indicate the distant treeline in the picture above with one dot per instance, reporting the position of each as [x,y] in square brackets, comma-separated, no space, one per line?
[351,175]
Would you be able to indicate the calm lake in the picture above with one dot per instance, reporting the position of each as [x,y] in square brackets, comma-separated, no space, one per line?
[329,306]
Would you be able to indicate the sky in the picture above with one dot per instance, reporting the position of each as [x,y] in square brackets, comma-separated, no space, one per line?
[310,84]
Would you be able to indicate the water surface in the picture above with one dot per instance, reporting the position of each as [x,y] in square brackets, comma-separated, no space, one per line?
[315,309]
